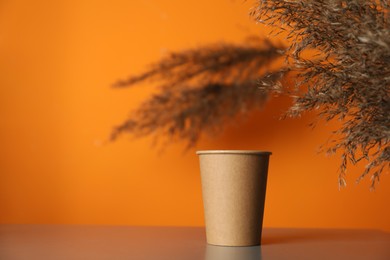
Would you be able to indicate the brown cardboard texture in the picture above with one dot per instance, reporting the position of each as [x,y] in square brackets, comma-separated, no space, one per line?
[232,253]
[233,190]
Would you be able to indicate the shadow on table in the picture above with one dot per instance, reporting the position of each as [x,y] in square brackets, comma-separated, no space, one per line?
[280,236]
[279,243]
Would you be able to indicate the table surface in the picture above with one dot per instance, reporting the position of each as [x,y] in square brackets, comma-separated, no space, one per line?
[74,242]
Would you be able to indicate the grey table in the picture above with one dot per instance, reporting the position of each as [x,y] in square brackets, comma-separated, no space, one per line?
[57,242]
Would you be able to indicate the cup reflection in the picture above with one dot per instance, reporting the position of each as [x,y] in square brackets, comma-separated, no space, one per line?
[233,253]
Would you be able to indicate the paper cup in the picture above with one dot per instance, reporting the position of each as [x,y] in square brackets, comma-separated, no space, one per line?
[233,253]
[233,189]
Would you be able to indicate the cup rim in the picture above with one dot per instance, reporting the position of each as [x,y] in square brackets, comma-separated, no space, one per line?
[255,152]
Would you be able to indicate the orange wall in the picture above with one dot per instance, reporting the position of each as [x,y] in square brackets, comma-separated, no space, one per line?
[57,61]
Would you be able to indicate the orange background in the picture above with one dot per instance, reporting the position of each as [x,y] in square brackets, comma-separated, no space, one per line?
[57,61]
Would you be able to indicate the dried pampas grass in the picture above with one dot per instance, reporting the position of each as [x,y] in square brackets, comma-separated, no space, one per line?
[349,79]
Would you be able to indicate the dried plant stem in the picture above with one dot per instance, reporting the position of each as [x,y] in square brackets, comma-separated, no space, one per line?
[200,90]
[350,78]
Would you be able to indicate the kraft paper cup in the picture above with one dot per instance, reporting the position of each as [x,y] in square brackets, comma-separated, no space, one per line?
[233,189]
[233,253]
